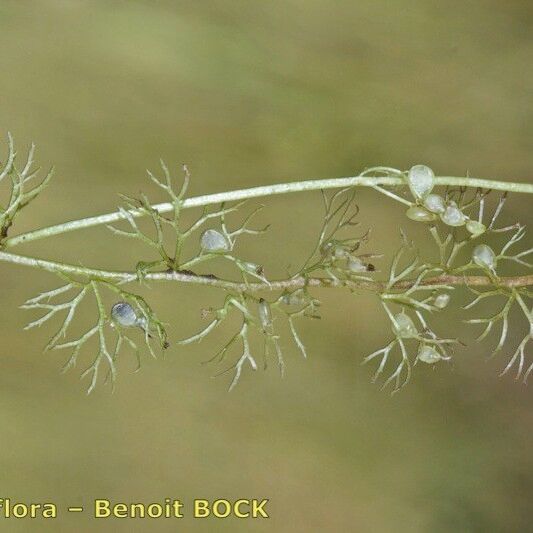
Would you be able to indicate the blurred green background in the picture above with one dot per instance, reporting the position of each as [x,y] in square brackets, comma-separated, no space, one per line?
[251,93]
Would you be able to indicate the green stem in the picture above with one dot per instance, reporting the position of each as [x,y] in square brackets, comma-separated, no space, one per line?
[266,190]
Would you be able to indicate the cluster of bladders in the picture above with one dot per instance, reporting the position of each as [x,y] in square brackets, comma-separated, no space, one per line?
[338,252]
[404,328]
[428,207]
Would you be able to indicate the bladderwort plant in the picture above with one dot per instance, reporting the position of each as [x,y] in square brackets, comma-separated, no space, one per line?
[416,290]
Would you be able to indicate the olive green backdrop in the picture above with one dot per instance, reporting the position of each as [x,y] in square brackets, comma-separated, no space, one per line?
[251,93]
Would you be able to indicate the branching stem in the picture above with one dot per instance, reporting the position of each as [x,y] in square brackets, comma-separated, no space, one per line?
[288,284]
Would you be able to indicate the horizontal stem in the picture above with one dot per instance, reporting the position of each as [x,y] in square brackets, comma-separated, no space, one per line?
[265,190]
[279,285]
